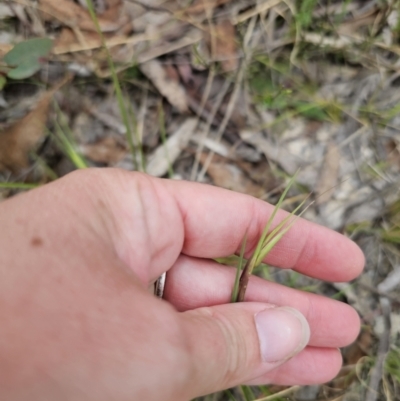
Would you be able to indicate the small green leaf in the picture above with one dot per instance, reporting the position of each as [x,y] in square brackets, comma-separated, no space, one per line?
[24,70]
[26,57]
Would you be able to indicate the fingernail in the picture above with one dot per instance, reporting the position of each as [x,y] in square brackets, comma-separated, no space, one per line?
[282,332]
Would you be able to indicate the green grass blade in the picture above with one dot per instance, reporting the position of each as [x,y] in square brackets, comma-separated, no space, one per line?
[283,222]
[235,290]
[281,395]
[248,394]
[64,139]
[68,147]
[230,395]
[17,185]
[47,169]
[139,144]
[116,84]
[164,140]
[272,217]
[278,236]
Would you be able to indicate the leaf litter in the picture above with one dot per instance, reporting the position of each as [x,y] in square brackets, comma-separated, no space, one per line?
[265,87]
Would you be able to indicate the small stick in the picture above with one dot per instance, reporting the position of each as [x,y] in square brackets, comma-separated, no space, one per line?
[244,280]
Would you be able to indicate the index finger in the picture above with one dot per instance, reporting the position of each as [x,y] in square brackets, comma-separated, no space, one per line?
[216,221]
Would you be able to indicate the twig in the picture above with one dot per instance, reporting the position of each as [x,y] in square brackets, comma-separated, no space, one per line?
[244,280]
[151,8]
[383,349]
[210,120]
[260,8]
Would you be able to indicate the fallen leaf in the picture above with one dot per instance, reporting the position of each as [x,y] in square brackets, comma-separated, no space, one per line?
[223,45]
[392,147]
[358,349]
[199,6]
[67,41]
[75,16]
[364,20]
[108,151]
[167,84]
[272,150]
[5,48]
[231,176]
[20,138]
[379,326]
[166,154]
[8,11]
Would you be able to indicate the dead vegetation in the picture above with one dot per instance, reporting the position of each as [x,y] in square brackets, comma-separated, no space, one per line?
[240,94]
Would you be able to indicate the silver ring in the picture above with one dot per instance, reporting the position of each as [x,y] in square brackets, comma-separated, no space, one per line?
[159,286]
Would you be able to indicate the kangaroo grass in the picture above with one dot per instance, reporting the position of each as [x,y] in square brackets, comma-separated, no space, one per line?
[266,243]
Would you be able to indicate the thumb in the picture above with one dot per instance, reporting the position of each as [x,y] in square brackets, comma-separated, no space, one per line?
[236,343]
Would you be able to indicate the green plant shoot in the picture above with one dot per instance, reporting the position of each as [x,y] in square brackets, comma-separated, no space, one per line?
[266,243]
[238,271]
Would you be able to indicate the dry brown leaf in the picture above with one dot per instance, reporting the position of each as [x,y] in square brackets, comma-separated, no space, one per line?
[4,49]
[260,173]
[113,11]
[75,16]
[6,11]
[162,48]
[222,43]
[272,151]
[200,6]
[261,8]
[393,151]
[20,138]
[230,176]
[108,151]
[365,19]
[329,174]
[359,348]
[166,154]
[166,83]
[68,42]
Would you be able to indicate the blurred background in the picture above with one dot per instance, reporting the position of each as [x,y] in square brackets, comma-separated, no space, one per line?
[239,94]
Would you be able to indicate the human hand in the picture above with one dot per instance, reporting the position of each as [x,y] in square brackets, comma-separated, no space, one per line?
[77,319]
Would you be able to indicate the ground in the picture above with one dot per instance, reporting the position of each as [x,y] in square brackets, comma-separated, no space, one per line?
[240,94]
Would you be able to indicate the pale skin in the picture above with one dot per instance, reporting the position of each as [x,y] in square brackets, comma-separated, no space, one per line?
[79,323]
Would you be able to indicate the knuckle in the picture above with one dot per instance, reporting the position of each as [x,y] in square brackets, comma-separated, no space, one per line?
[230,346]
[235,345]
